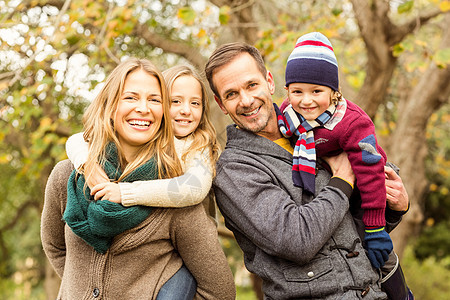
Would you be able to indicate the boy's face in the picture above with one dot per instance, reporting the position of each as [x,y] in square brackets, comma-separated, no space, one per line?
[309,100]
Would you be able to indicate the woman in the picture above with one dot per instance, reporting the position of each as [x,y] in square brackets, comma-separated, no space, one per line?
[101,257]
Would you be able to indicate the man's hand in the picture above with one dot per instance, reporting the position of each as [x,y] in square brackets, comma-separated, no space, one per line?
[107,191]
[396,195]
[340,167]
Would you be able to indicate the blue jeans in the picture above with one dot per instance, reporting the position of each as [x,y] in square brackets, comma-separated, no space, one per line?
[181,286]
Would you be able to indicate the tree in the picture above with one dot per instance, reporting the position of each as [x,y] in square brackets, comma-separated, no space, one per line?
[381,35]
[393,57]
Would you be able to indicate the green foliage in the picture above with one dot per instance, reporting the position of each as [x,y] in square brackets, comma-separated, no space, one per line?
[224,14]
[435,242]
[245,293]
[187,15]
[442,57]
[428,279]
[438,166]
[405,7]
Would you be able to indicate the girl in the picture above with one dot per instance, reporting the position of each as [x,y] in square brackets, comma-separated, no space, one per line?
[113,252]
[195,143]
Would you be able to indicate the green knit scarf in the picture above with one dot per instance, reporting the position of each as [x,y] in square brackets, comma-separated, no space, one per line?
[98,222]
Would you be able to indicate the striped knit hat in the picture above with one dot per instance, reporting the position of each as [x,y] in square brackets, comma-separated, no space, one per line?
[313,61]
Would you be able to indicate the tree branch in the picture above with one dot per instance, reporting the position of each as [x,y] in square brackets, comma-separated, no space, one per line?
[20,211]
[177,47]
[401,31]
[32,57]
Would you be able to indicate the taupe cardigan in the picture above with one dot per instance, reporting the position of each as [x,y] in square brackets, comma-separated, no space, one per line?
[141,259]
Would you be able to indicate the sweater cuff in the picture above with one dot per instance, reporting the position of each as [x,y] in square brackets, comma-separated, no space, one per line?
[374,217]
[341,184]
[393,216]
[126,194]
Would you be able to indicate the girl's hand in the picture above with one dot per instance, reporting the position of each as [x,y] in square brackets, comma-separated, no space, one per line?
[396,195]
[107,191]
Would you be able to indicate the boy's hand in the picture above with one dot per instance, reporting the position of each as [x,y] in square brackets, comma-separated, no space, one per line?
[378,245]
[107,191]
[396,195]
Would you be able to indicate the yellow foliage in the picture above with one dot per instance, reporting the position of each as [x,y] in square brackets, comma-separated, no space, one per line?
[443,172]
[4,159]
[392,125]
[420,43]
[444,191]
[433,187]
[430,222]
[444,6]
[46,122]
[201,33]
[226,243]
[4,85]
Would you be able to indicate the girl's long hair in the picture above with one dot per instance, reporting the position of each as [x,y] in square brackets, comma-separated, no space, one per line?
[204,137]
[99,129]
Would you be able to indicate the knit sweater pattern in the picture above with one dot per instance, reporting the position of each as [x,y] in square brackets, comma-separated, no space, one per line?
[355,134]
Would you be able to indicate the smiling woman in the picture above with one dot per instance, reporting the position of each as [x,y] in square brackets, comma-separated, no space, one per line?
[139,112]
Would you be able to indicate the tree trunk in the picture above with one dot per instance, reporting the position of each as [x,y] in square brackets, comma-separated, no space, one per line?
[375,28]
[410,150]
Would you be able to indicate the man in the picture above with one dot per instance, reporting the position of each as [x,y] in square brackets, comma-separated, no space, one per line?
[302,247]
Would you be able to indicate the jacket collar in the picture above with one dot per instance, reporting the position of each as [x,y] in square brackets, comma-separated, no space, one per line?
[253,143]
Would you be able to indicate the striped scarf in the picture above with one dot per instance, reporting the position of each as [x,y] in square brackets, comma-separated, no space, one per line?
[292,123]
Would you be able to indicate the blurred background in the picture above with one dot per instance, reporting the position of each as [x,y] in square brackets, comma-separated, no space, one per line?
[394,62]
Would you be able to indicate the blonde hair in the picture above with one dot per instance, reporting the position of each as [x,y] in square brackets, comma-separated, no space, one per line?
[204,136]
[99,128]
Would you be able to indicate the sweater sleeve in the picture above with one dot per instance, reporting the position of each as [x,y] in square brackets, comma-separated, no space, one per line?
[368,160]
[77,149]
[188,189]
[258,208]
[195,238]
[52,226]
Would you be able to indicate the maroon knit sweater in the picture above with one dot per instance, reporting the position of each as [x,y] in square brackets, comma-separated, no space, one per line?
[355,134]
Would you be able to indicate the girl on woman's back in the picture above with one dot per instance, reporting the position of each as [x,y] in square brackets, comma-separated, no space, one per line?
[108,250]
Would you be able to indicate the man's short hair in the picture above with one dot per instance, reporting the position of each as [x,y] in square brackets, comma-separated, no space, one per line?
[226,53]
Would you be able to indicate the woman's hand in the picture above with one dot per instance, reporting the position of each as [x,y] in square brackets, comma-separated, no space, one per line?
[396,195]
[107,191]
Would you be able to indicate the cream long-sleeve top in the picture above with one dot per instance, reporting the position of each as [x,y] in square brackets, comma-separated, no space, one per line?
[191,188]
